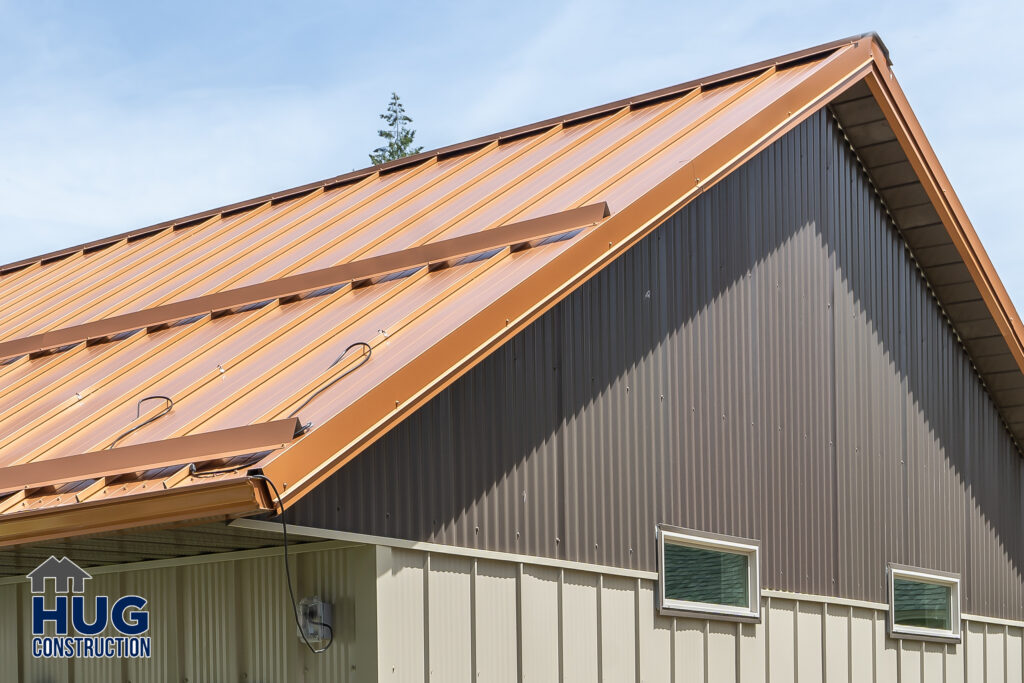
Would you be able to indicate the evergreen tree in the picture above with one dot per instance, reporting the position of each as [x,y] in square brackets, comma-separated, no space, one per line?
[398,135]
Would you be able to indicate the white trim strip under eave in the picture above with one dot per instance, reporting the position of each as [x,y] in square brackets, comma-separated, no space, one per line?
[367,539]
[206,558]
[315,532]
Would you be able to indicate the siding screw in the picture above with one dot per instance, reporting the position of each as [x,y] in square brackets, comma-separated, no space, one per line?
[557,540]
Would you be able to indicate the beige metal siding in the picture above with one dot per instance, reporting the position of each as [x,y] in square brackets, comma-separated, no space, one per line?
[10,628]
[223,620]
[408,615]
[587,626]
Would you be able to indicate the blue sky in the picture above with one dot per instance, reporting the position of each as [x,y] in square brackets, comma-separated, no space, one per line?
[117,115]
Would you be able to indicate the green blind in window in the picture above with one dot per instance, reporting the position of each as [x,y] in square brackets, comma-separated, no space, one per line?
[704,575]
[921,604]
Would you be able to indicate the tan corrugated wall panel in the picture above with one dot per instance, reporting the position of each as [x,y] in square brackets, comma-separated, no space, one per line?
[495,617]
[449,618]
[540,591]
[580,636]
[160,588]
[9,634]
[655,633]
[219,621]
[42,670]
[100,670]
[400,587]
[588,626]
[490,620]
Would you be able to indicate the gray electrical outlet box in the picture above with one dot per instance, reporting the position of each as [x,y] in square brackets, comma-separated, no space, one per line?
[315,619]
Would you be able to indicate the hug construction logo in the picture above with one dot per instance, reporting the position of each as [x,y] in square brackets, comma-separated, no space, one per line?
[74,633]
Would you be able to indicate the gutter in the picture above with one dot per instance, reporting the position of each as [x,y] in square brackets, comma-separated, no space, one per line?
[220,499]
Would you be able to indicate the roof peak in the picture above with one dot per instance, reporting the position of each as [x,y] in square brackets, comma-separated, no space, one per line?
[520,131]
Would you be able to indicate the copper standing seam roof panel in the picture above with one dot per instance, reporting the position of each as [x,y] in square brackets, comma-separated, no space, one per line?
[644,157]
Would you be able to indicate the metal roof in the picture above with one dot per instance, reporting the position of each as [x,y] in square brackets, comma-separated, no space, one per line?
[239,314]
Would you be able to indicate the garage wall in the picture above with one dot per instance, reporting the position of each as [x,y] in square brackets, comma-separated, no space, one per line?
[405,614]
[460,619]
[218,618]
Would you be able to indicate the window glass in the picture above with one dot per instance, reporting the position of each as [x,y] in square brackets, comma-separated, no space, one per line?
[695,574]
[925,605]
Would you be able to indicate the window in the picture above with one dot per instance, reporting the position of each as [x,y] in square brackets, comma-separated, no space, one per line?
[708,575]
[923,604]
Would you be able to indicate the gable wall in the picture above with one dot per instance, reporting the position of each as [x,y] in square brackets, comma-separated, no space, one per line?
[768,364]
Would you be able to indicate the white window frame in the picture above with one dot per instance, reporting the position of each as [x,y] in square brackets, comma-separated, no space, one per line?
[729,544]
[953,635]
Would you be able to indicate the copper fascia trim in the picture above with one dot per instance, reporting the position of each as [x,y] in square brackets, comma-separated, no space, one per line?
[323,451]
[181,450]
[220,499]
[652,96]
[513,234]
[912,139]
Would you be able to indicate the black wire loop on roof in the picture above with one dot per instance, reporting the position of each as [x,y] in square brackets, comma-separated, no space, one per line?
[368,351]
[138,414]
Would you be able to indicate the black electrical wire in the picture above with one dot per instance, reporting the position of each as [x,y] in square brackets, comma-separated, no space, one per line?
[138,413]
[288,574]
[284,526]
[215,473]
[366,357]
[369,350]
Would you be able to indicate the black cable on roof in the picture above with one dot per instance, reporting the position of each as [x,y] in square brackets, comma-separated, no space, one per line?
[366,356]
[138,413]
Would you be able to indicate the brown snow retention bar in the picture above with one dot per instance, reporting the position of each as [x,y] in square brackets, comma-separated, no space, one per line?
[296,285]
[182,450]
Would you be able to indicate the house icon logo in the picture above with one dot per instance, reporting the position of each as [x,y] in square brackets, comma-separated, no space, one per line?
[64,573]
[68,624]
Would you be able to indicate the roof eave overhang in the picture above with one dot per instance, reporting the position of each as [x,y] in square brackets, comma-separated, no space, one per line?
[223,499]
[897,111]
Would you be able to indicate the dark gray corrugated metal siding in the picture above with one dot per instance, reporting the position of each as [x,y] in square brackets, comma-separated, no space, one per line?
[766,364]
